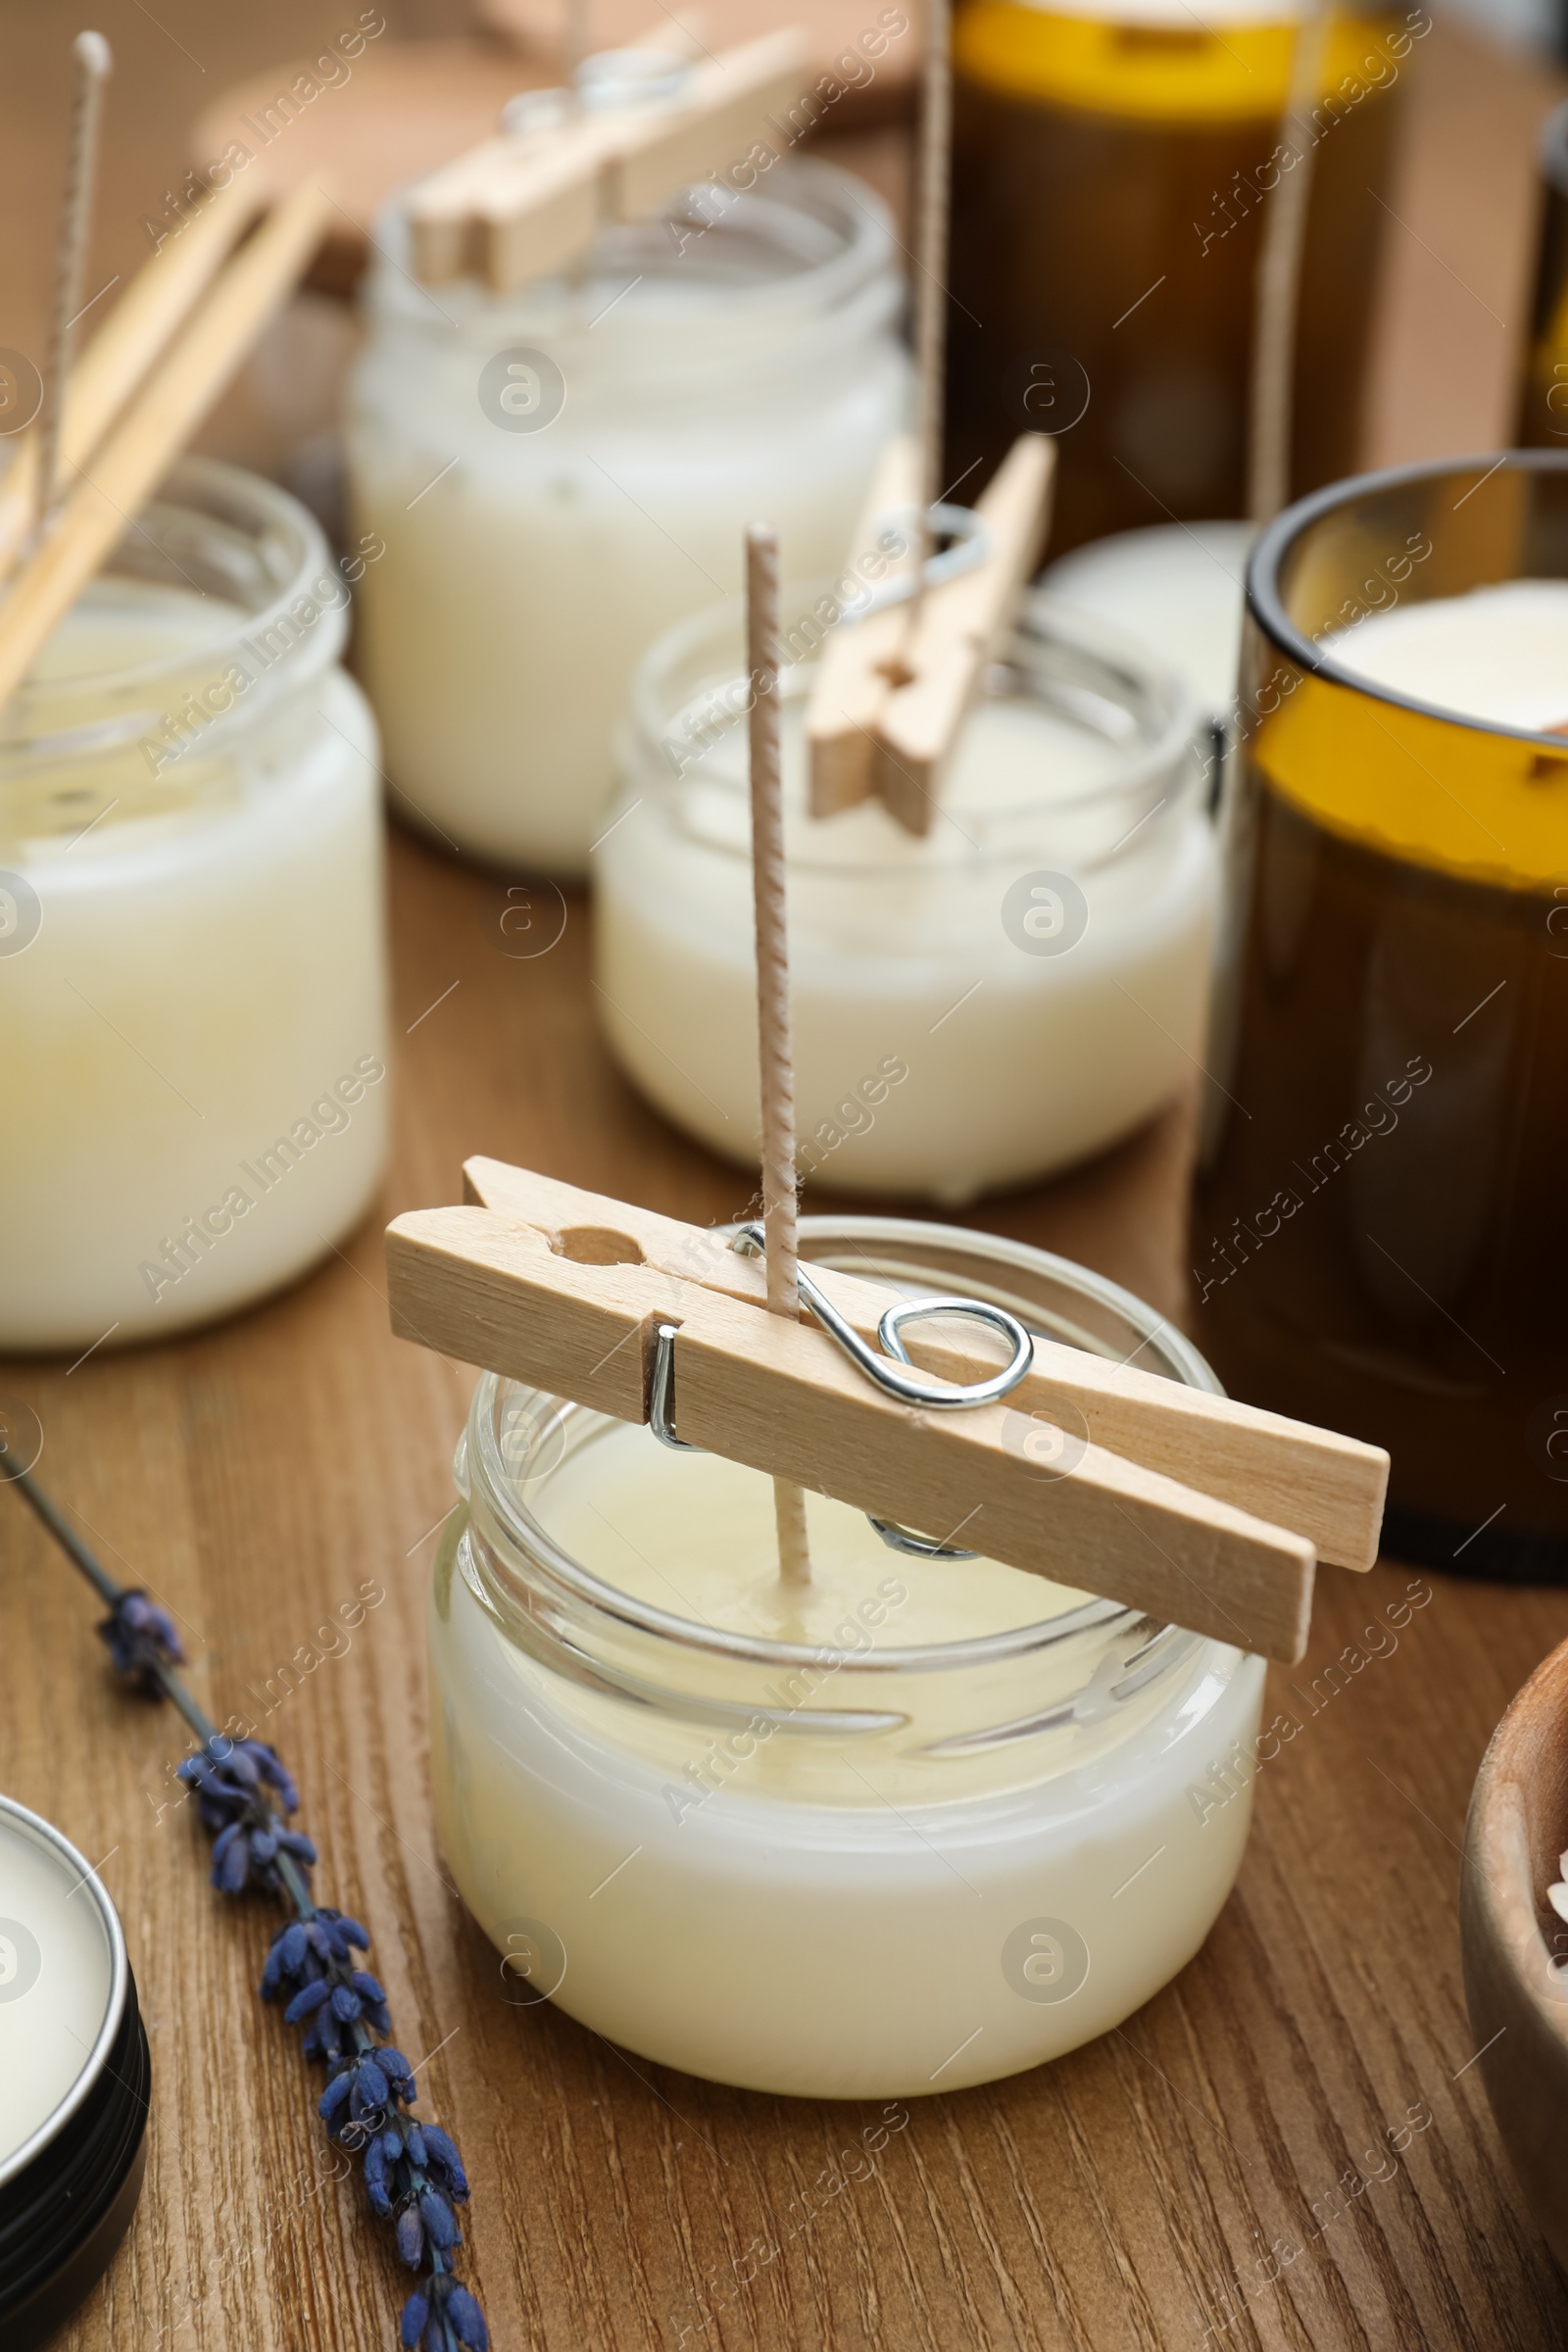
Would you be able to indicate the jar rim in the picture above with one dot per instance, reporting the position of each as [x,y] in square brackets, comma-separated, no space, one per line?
[1044,625]
[545,305]
[1280,540]
[292,556]
[44,1835]
[479,1451]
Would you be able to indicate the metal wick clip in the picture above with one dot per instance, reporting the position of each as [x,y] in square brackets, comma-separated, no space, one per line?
[890,1371]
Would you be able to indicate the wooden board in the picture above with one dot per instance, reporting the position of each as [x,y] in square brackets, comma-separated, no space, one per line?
[257,1474]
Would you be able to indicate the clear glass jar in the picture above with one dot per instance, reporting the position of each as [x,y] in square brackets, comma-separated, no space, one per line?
[192,953]
[1010,993]
[542,531]
[845,1869]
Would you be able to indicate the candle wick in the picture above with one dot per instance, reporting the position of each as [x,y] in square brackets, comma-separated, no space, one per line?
[91,61]
[931,271]
[776,1064]
[1279,278]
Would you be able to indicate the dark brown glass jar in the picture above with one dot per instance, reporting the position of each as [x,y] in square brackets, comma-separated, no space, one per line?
[1113,160]
[1544,392]
[1378,1232]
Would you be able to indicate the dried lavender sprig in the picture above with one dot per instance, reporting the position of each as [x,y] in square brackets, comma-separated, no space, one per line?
[245,1794]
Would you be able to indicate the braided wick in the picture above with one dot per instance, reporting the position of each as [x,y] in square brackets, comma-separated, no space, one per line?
[776,1056]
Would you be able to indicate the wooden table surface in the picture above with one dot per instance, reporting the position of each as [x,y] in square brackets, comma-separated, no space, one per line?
[255,1475]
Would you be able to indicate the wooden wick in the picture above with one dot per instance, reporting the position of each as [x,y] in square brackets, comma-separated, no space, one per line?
[574,42]
[775,1050]
[1279,279]
[160,298]
[93,64]
[931,271]
[155,425]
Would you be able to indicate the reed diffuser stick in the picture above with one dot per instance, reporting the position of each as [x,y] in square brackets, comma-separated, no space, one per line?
[1279,279]
[931,268]
[774,1042]
[93,64]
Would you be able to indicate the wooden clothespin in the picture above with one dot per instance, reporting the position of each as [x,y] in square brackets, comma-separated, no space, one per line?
[891,691]
[1180,1503]
[516,208]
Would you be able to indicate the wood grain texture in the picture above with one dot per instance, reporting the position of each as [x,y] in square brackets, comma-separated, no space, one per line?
[256,1475]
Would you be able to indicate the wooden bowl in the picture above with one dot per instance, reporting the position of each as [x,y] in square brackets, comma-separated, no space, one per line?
[1510,1935]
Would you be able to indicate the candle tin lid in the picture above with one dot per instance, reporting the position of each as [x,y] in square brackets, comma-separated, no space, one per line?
[74,2079]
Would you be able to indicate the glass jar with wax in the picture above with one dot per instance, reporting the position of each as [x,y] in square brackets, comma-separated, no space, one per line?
[1377,1235]
[1113,163]
[560,472]
[1017,989]
[192,962]
[915,1825]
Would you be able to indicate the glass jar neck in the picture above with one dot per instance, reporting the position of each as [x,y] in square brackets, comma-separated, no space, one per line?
[1432,787]
[216,609]
[728,288]
[1044,1692]
[1153,61]
[1092,686]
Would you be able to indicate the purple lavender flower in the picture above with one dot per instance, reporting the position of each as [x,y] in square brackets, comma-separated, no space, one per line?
[141,1637]
[245,1794]
[443,2318]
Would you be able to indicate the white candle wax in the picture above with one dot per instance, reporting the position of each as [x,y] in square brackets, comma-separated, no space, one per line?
[191,970]
[943,1047]
[56,1974]
[1499,654]
[700,377]
[848,1880]
[1180,589]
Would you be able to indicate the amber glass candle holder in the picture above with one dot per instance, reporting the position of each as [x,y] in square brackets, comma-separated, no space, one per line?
[1378,1233]
[1113,163]
[1544,392]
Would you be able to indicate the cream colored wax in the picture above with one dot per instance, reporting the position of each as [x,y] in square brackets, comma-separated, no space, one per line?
[55,1981]
[696,378]
[196,1097]
[852,1879]
[936,1054]
[1499,654]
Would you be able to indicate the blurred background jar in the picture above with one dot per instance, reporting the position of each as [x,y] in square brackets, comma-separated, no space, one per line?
[192,951]
[1544,392]
[559,473]
[1012,992]
[1112,165]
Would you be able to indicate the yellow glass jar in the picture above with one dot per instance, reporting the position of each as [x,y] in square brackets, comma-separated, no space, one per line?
[1113,166]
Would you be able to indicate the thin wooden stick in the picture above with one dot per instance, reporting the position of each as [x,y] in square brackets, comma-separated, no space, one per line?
[157,299]
[575,43]
[155,428]
[774,1045]
[93,65]
[1279,279]
[931,268]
